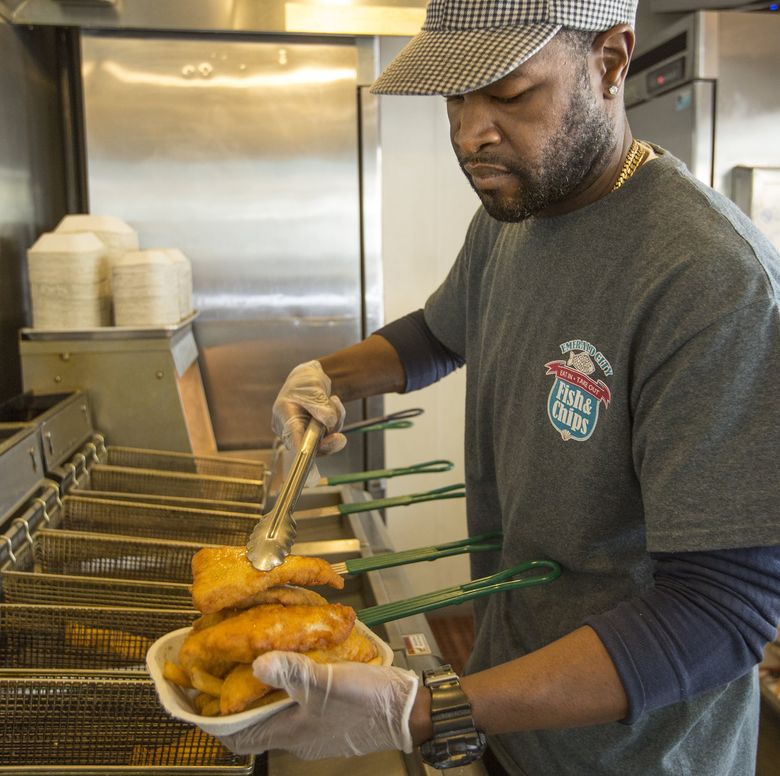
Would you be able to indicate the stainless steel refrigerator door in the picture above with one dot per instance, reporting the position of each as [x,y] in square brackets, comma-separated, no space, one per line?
[243,153]
[681,121]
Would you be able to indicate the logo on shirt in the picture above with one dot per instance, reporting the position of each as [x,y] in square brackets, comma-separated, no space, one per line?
[575,397]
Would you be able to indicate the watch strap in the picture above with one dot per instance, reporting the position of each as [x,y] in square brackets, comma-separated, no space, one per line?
[455,740]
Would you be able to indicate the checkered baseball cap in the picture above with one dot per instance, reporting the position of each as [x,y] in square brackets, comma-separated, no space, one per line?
[466,44]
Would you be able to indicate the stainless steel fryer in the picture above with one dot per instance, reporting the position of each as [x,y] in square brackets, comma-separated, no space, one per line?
[61,567]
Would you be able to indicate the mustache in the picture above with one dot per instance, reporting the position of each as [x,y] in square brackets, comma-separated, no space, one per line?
[487,159]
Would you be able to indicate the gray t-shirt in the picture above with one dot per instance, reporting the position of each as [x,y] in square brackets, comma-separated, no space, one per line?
[620,401]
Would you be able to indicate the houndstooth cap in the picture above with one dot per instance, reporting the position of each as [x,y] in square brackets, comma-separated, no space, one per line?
[466,44]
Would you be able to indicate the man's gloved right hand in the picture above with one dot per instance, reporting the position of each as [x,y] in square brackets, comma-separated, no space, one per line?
[305,394]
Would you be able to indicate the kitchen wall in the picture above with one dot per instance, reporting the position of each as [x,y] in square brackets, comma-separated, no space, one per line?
[32,190]
[426,207]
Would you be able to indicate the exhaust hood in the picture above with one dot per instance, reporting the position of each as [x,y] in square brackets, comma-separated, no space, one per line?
[315,17]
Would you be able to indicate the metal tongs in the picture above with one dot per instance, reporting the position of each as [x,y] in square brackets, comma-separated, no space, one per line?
[272,538]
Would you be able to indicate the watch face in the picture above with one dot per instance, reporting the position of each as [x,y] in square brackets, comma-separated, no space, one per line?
[457,742]
[454,751]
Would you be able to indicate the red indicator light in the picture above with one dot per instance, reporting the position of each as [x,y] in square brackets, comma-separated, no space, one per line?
[660,80]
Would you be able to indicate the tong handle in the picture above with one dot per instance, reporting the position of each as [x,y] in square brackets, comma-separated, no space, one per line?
[369,423]
[437,494]
[503,580]
[299,470]
[427,467]
[272,537]
[481,543]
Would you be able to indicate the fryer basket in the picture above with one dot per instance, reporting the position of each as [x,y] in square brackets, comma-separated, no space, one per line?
[131,480]
[168,460]
[96,722]
[82,637]
[129,518]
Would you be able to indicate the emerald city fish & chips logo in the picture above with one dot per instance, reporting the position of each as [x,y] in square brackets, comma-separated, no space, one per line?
[575,397]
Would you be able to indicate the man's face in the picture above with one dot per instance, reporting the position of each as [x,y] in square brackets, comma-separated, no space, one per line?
[535,138]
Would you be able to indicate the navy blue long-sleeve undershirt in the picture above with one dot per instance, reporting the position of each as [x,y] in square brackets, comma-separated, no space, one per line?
[709,614]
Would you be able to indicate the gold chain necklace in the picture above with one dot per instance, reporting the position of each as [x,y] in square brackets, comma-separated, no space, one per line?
[635,158]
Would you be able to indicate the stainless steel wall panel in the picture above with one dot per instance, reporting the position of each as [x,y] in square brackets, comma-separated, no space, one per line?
[243,153]
[748,108]
[680,121]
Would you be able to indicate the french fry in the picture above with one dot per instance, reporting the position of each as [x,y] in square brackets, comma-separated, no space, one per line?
[241,688]
[200,701]
[176,674]
[211,708]
[206,682]
[272,697]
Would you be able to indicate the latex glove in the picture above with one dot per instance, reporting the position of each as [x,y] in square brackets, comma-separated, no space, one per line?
[343,709]
[305,394]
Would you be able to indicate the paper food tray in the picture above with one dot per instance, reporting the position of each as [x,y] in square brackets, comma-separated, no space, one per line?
[178,702]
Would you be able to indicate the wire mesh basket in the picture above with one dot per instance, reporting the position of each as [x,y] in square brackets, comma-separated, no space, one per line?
[117,557]
[29,587]
[82,513]
[83,637]
[168,460]
[187,502]
[97,722]
[130,480]
[27,581]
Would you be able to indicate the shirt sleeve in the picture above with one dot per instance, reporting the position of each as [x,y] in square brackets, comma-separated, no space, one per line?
[706,432]
[705,623]
[424,357]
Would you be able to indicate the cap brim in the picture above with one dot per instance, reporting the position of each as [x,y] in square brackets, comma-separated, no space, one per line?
[458,62]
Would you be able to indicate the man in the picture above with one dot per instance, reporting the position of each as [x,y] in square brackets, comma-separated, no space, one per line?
[620,325]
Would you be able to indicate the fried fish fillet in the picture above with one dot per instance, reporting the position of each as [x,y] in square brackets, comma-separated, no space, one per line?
[287,595]
[107,641]
[193,748]
[244,636]
[355,647]
[241,688]
[223,577]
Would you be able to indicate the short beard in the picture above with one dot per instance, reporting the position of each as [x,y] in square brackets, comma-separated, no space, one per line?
[577,154]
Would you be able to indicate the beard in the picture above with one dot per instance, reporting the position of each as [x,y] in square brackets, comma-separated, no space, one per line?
[576,154]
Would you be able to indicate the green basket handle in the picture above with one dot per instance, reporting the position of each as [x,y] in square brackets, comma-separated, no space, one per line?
[370,423]
[503,580]
[480,543]
[438,494]
[427,467]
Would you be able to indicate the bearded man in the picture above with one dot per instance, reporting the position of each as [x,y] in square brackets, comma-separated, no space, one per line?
[620,323]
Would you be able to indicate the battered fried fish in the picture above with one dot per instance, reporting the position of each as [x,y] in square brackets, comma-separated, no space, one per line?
[193,748]
[241,688]
[244,636]
[223,577]
[287,595]
[107,641]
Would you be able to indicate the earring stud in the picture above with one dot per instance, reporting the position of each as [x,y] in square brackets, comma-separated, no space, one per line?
[613,89]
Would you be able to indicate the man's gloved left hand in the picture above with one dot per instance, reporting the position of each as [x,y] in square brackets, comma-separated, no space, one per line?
[343,709]
[306,393]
